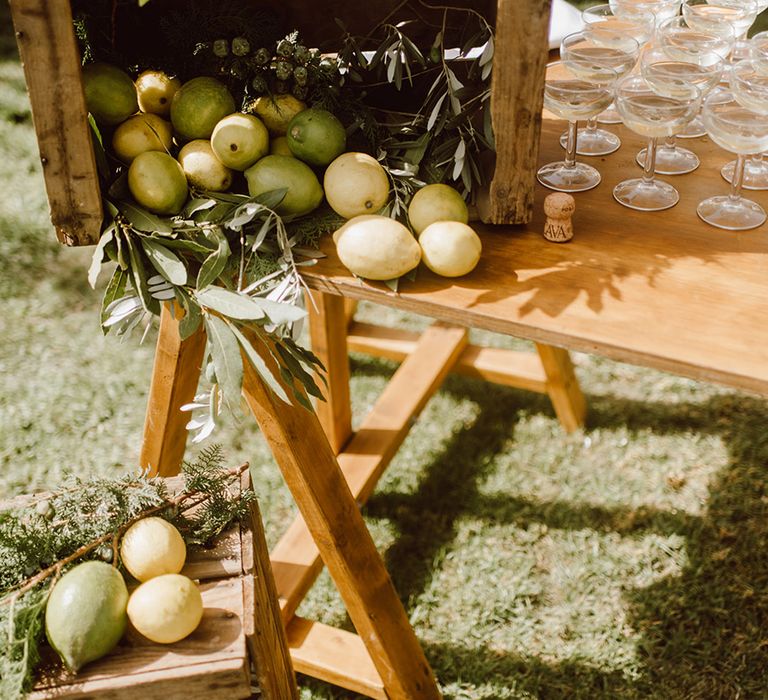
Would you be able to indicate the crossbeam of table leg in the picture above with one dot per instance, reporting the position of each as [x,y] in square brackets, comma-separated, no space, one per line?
[313,476]
[295,560]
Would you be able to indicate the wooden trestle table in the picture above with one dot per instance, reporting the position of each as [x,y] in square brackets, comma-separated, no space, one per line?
[658,289]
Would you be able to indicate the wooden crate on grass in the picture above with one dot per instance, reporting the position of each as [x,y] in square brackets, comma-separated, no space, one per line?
[240,625]
[52,61]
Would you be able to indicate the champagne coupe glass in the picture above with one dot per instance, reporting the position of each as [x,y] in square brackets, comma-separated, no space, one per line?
[649,114]
[637,22]
[670,76]
[629,10]
[569,96]
[741,131]
[719,16]
[756,168]
[605,48]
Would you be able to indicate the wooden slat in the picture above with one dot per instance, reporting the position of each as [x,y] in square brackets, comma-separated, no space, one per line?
[175,376]
[295,560]
[313,476]
[264,631]
[519,369]
[211,661]
[660,289]
[335,656]
[328,332]
[517,93]
[51,60]
[220,561]
[563,387]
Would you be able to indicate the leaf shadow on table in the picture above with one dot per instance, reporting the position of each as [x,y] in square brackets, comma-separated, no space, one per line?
[702,632]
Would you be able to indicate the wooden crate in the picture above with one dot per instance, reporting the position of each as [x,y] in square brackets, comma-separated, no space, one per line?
[240,623]
[51,61]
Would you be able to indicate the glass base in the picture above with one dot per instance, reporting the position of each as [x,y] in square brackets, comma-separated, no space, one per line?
[646,195]
[755,174]
[671,161]
[694,130]
[593,143]
[576,178]
[731,214]
[609,116]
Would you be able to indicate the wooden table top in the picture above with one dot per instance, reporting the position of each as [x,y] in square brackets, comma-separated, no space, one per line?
[660,289]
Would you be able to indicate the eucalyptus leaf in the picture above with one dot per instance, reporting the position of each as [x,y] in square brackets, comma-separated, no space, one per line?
[165,261]
[227,361]
[259,365]
[98,255]
[142,220]
[230,304]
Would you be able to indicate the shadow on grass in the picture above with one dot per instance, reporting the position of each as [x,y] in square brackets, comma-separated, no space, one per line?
[704,632]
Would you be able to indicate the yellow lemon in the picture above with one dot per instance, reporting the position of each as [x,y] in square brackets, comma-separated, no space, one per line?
[276,111]
[450,248]
[152,547]
[85,615]
[436,203]
[202,168]
[355,184]
[239,140]
[278,146]
[166,609]
[198,106]
[140,133]
[155,91]
[109,93]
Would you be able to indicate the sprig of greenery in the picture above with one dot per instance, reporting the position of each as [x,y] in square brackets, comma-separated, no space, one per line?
[83,519]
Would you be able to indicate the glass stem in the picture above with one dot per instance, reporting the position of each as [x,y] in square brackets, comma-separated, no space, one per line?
[592,124]
[670,143]
[570,148]
[650,160]
[738,178]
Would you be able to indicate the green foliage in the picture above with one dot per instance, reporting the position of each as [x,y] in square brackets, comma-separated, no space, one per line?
[83,519]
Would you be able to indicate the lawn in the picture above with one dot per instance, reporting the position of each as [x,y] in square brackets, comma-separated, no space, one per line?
[627,560]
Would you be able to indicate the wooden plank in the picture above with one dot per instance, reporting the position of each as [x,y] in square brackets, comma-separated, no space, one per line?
[519,369]
[175,375]
[220,561]
[350,308]
[313,476]
[517,93]
[661,289]
[563,387]
[335,656]
[51,60]
[264,631]
[328,333]
[209,662]
[295,560]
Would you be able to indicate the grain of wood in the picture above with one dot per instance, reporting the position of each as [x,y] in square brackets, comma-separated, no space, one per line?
[51,60]
[296,559]
[175,376]
[563,387]
[335,656]
[313,476]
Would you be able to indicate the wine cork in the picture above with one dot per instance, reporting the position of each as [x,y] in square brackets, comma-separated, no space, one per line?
[559,208]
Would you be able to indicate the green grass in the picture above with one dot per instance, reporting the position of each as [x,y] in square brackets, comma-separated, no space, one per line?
[627,560]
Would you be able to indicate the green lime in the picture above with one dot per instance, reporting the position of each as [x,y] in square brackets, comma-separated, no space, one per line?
[110,94]
[278,172]
[316,136]
[198,106]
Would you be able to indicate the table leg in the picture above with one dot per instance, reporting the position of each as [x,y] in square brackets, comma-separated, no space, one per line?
[563,386]
[328,334]
[313,476]
[175,376]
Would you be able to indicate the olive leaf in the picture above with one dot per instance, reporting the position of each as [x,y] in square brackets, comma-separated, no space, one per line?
[259,365]
[98,255]
[216,262]
[142,220]
[227,361]
[165,261]
[230,304]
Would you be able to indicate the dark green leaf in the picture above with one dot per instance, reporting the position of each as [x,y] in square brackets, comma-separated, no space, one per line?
[98,255]
[230,304]
[198,204]
[98,149]
[260,366]
[115,290]
[227,361]
[295,368]
[142,220]
[216,262]
[139,278]
[190,322]
[119,188]
[165,261]
[185,244]
[272,198]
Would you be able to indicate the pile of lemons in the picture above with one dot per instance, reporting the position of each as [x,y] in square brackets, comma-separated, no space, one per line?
[90,607]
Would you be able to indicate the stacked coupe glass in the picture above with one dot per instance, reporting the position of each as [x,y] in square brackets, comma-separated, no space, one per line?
[666,69]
